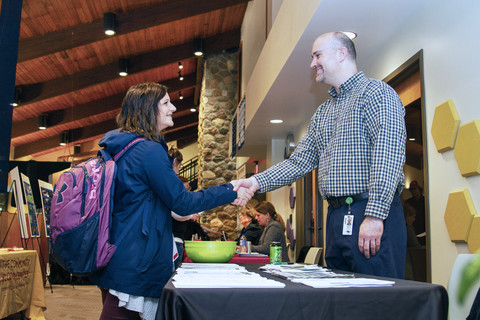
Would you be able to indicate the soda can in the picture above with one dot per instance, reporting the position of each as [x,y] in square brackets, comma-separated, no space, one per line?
[275,252]
[249,247]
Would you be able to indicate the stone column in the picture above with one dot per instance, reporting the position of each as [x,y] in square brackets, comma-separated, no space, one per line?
[218,102]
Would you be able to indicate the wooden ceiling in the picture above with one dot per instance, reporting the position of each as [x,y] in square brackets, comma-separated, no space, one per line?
[67,67]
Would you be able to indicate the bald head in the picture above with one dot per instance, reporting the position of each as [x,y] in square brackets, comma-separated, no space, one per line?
[338,40]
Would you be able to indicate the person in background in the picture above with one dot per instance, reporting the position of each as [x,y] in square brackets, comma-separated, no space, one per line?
[273,230]
[177,159]
[180,223]
[412,240]
[179,226]
[410,216]
[146,191]
[251,230]
[417,201]
[356,140]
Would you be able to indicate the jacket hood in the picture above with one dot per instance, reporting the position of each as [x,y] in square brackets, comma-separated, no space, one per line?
[114,141]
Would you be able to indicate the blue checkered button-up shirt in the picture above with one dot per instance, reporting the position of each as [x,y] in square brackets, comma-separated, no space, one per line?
[356,139]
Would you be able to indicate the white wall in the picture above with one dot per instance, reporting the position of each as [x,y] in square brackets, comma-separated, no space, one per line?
[253,35]
[447,33]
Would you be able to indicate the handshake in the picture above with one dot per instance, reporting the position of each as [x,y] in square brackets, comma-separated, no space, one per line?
[245,190]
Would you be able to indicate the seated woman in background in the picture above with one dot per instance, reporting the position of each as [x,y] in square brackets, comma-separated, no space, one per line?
[274,229]
[251,229]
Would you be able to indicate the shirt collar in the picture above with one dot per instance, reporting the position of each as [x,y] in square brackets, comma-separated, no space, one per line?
[347,85]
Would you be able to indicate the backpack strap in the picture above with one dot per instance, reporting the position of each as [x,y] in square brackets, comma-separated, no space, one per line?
[131,143]
[134,220]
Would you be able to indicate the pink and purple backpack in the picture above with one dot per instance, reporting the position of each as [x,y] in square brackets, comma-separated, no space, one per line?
[81,212]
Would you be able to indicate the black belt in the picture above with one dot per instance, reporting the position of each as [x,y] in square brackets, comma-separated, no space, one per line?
[337,202]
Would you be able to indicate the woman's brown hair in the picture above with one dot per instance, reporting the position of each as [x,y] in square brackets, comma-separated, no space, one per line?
[266,207]
[140,109]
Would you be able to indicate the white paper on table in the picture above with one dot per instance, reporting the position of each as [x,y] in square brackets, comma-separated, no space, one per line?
[220,276]
[344,282]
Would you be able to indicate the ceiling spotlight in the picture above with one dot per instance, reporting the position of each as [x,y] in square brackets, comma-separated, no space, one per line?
[42,122]
[180,66]
[180,77]
[351,35]
[193,109]
[123,67]
[16,98]
[198,45]
[109,23]
[276,121]
[63,138]
[180,96]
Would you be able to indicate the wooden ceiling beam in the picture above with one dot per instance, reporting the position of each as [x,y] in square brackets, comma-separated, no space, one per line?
[127,22]
[56,87]
[80,135]
[97,107]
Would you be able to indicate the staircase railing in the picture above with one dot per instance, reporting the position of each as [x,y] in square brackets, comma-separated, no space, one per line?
[189,169]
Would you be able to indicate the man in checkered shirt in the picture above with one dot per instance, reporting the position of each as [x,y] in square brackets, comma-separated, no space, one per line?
[356,140]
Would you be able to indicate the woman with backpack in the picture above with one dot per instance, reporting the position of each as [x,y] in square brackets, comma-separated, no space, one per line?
[146,191]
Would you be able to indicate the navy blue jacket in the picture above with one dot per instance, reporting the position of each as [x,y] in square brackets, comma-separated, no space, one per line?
[147,190]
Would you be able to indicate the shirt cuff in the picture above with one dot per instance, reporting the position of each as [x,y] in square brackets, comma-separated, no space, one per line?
[377,209]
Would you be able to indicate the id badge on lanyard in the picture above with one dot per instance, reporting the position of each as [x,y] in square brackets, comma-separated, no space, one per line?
[348,219]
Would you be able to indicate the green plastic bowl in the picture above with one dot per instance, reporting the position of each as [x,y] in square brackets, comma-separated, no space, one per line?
[210,251]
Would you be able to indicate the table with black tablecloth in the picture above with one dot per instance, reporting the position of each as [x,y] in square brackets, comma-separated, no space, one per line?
[404,300]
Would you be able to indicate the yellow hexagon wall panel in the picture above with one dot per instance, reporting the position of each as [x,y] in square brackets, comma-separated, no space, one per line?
[459,214]
[474,235]
[445,126]
[467,149]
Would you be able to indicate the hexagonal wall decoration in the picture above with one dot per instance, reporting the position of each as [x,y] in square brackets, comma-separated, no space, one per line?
[445,126]
[459,214]
[467,149]
[474,235]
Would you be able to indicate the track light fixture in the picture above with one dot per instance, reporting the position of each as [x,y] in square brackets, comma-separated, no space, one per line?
[199,46]
[16,98]
[180,66]
[63,138]
[180,77]
[123,67]
[109,23]
[180,96]
[42,122]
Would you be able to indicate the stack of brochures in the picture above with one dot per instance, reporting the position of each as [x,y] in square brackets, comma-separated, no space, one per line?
[319,277]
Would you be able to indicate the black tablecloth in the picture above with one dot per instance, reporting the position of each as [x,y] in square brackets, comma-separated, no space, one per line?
[404,300]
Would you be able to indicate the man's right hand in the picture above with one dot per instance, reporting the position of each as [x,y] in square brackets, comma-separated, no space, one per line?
[250,183]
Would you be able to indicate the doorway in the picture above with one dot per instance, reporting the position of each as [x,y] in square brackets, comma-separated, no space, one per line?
[407,80]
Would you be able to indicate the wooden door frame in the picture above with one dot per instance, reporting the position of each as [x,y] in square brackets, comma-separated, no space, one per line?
[415,63]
